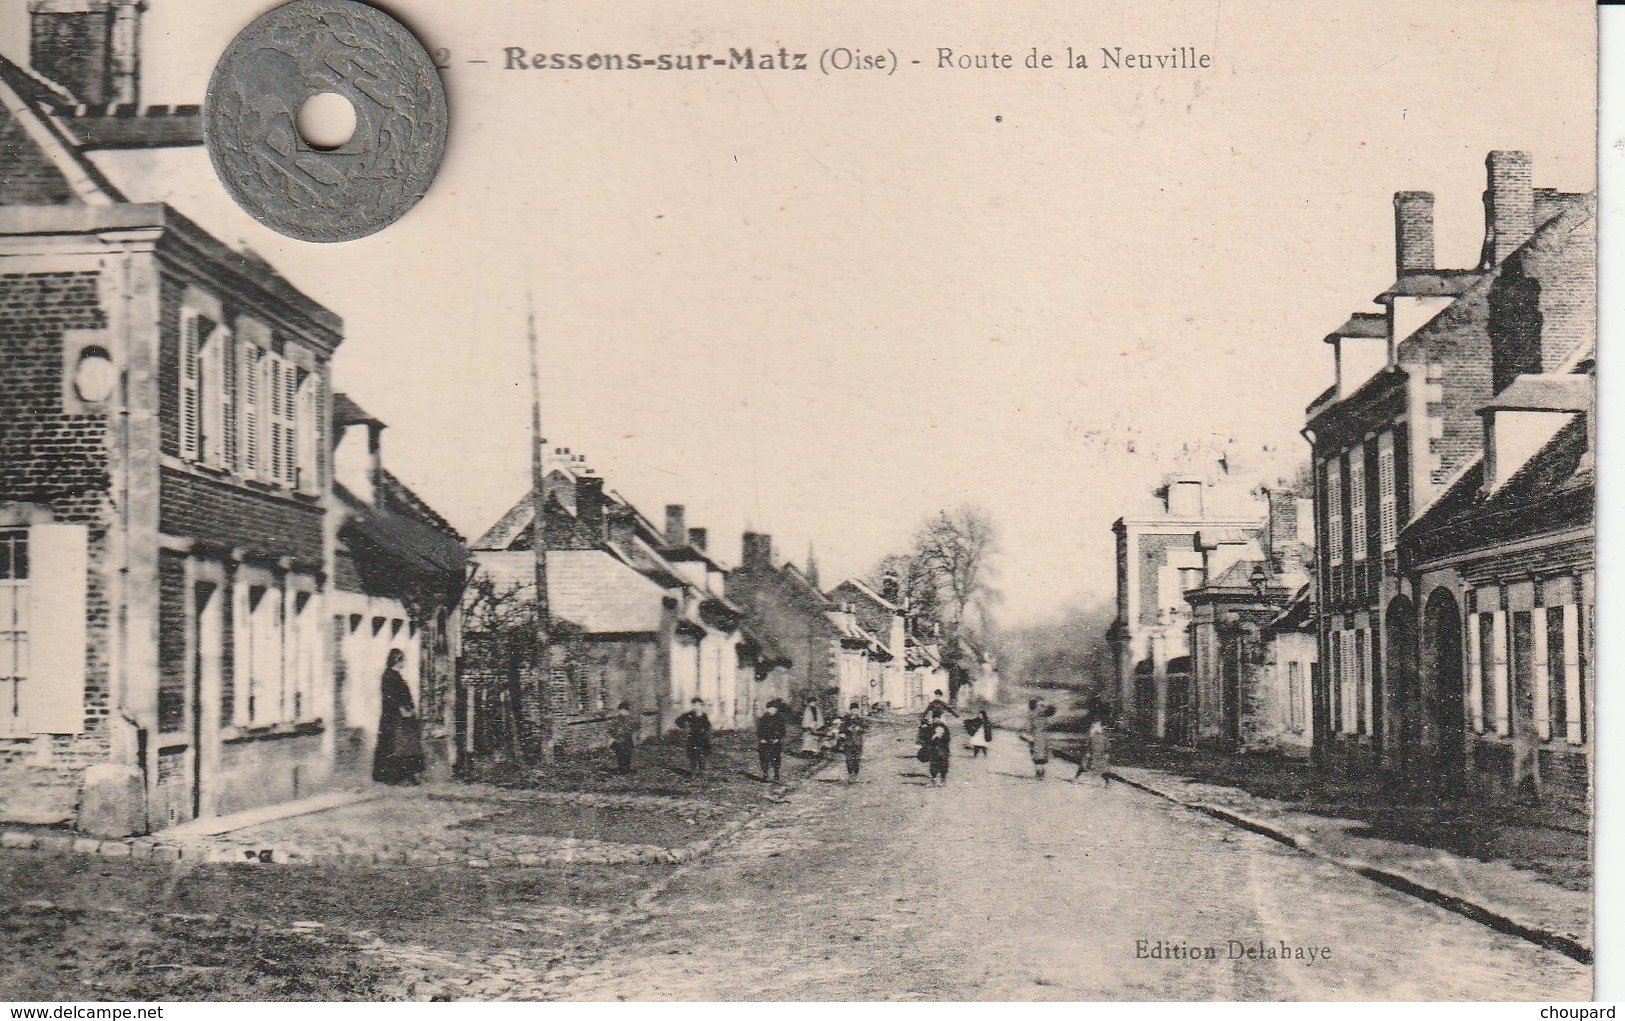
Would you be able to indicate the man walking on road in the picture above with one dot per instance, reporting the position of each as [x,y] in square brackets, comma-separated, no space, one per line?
[623,737]
[852,727]
[696,728]
[770,741]
[1038,715]
[938,750]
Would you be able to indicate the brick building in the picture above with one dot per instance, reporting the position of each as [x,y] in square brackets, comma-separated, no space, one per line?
[638,614]
[1505,564]
[1162,554]
[164,473]
[1401,428]
[830,653]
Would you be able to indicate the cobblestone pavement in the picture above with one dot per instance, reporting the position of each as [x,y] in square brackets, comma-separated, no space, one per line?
[1000,887]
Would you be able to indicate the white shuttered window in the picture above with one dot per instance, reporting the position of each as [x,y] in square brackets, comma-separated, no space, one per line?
[1357,536]
[1334,511]
[1387,493]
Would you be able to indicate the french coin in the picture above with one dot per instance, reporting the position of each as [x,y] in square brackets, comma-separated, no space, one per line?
[263,80]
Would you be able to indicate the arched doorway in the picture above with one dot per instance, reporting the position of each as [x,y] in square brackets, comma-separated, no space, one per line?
[1402,682]
[1442,670]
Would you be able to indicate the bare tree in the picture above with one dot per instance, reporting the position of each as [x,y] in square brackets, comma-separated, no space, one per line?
[956,549]
[502,655]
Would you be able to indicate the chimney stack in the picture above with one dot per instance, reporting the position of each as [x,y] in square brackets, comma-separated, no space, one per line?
[696,538]
[1185,498]
[590,507]
[92,48]
[1509,205]
[756,553]
[676,528]
[1413,232]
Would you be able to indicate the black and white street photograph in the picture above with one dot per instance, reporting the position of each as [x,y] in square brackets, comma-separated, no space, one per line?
[709,501]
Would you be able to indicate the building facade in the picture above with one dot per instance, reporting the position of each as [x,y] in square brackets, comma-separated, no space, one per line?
[1401,427]
[399,572]
[1504,564]
[1161,556]
[164,481]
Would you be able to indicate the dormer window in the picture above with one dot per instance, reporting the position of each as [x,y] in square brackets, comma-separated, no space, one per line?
[1525,417]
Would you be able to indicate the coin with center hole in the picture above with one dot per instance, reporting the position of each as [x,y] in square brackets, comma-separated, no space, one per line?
[278,64]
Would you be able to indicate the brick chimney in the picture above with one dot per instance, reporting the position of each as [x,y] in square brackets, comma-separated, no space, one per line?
[1413,232]
[676,527]
[92,48]
[623,525]
[889,589]
[590,507]
[697,538]
[1509,204]
[756,552]
[1284,547]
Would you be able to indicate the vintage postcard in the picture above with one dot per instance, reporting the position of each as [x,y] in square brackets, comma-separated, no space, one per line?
[1035,501]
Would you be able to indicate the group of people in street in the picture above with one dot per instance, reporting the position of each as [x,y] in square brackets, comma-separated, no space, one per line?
[936,738]
[399,757]
[823,735]
[1093,756]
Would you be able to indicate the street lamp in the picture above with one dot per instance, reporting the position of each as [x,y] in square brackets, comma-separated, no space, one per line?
[1260,579]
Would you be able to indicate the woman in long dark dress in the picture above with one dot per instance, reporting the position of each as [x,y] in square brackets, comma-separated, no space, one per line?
[399,758]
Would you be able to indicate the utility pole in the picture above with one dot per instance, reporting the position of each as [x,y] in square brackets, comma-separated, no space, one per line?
[538,539]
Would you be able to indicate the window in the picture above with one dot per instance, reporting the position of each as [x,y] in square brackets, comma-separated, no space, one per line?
[1387,494]
[1522,658]
[14,601]
[251,376]
[1487,714]
[1294,696]
[583,691]
[1357,507]
[228,361]
[1336,685]
[1362,683]
[302,641]
[194,331]
[603,690]
[1334,511]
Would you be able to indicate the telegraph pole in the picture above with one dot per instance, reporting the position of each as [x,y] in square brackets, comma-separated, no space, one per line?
[538,539]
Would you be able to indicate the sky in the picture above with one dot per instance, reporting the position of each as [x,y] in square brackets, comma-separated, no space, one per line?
[826,307]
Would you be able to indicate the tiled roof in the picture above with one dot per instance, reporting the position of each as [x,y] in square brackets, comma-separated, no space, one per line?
[413,543]
[43,166]
[868,593]
[1553,491]
[406,501]
[347,412]
[588,588]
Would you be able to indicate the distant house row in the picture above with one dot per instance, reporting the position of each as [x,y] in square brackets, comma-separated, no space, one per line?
[205,561]
[652,617]
[1445,632]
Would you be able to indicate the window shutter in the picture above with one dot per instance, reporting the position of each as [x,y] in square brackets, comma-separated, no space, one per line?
[1387,493]
[273,383]
[1334,511]
[1357,505]
[58,578]
[190,382]
[251,410]
[230,400]
[293,378]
